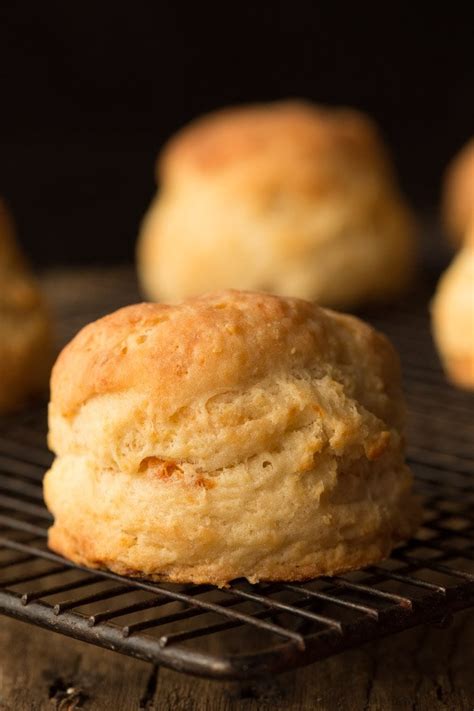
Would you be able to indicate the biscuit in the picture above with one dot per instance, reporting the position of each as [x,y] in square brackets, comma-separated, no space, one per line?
[453,316]
[458,194]
[288,198]
[233,435]
[25,331]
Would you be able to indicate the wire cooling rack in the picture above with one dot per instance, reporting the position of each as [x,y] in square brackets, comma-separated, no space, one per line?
[249,630]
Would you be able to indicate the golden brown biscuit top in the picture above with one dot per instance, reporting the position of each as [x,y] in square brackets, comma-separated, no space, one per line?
[286,131]
[216,343]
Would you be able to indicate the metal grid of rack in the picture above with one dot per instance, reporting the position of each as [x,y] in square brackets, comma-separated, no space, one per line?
[250,630]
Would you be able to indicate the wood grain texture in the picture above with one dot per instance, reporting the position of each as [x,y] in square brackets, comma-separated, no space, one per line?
[426,669]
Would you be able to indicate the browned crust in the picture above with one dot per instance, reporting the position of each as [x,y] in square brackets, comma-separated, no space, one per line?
[214,143]
[166,469]
[220,340]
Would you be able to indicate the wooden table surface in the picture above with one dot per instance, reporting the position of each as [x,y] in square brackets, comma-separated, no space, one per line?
[425,669]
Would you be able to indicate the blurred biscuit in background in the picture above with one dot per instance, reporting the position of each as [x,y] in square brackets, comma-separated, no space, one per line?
[458,194]
[453,316]
[25,332]
[286,197]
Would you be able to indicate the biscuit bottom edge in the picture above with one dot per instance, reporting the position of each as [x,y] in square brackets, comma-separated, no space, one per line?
[342,558]
[460,371]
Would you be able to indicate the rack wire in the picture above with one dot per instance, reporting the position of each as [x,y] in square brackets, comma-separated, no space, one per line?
[251,630]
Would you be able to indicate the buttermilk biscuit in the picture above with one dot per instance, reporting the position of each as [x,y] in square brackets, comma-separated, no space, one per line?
[234,435]
[25,336]
[453,316]
[458,194]
[288,198]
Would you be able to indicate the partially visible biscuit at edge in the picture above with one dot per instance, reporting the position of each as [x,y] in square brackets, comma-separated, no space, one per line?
[233,435]
[453,316]
[25,328]
[458,194]
[287,197]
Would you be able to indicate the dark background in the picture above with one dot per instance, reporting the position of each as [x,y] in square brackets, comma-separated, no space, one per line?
[90,91]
